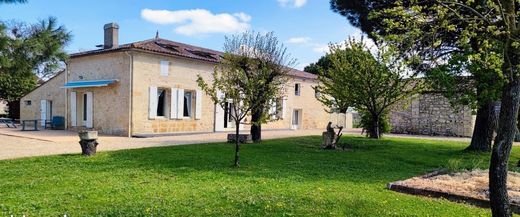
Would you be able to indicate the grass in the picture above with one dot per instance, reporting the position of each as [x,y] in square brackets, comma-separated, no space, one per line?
[285,177]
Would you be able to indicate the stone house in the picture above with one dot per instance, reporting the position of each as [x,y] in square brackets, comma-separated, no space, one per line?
[430,113]
[149,87]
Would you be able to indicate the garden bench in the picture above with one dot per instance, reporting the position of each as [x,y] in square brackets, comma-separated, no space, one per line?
[8,122]
[26,122]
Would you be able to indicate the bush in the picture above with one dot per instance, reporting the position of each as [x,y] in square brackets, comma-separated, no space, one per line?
[366,123]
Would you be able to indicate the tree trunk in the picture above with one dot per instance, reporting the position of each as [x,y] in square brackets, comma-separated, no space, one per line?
[498,168]
[256,127]
[237,144]
[485,125]
[375,132]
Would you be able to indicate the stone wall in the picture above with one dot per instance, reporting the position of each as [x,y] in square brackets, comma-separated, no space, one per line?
[431,114]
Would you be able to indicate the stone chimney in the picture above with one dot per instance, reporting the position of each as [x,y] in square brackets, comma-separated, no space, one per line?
[111,35]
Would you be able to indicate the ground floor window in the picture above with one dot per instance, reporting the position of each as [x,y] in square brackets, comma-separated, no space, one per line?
[187,104]
[161,102]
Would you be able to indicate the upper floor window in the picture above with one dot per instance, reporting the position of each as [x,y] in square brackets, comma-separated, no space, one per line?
[165,68]
[297,89]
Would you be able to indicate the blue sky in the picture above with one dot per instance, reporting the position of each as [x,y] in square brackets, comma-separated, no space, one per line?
[305,26]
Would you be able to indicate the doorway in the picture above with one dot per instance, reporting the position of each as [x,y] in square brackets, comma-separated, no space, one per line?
[296,119]
[87,110]
[45,111]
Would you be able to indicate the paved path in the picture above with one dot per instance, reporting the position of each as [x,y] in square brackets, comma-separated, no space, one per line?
[17,144]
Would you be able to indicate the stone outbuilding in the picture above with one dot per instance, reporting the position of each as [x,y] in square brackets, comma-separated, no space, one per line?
[149,87]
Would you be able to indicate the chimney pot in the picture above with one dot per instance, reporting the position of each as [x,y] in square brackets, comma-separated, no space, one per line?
[111,35]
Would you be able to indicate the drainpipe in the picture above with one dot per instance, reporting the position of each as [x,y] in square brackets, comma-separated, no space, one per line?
[130,92]
[67,63]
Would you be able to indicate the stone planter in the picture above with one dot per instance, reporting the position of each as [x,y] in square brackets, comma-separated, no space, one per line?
[242,138]
[88,142]
[88,135]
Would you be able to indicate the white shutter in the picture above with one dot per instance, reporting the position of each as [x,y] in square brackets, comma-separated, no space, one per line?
[284,105]
[180,103]
[152,110]
[164,68]
[219,113]
[89,110]
[43,112]
[173,104]
[73,109]
[198,104]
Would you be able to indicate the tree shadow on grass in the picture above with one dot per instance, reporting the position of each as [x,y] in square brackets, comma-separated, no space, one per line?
[369,161]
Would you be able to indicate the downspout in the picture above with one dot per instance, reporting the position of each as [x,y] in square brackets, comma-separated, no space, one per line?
[130,91]
[67,63]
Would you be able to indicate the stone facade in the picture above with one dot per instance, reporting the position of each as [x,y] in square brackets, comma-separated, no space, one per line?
[431,114]
[30,104]
[110,104]
[123,108]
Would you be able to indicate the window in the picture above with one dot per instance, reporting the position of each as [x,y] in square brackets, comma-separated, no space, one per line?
[85,107]
[297,89]
[187,104]
[161,102]
[28,102]
[164,68]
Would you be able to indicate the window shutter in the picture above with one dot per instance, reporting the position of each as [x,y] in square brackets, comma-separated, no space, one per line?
[198,105]
[73,109]
[284,105]
[153,102]
[164,68]
[173,104]
[180,103]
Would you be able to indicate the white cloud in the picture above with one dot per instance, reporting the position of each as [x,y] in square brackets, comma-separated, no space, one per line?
[320,48]
[198,21]
[308,42]
[292,3]
[299,40]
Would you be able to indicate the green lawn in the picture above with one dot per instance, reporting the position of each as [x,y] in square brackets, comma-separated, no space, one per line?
[285,177]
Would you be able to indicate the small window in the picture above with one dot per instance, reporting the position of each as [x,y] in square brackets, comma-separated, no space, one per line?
[164,68]
[161,102]
[297,89]
[28,102]
[187,104]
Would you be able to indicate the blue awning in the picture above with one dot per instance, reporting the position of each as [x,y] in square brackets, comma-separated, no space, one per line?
[94,83]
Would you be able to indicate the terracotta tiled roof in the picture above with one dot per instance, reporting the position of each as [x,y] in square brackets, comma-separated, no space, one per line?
[163,46]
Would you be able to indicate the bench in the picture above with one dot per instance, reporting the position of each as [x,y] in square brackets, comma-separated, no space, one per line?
[34,123]
[8,122]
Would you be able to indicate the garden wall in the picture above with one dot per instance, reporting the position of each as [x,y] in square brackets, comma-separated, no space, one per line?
[431,114]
